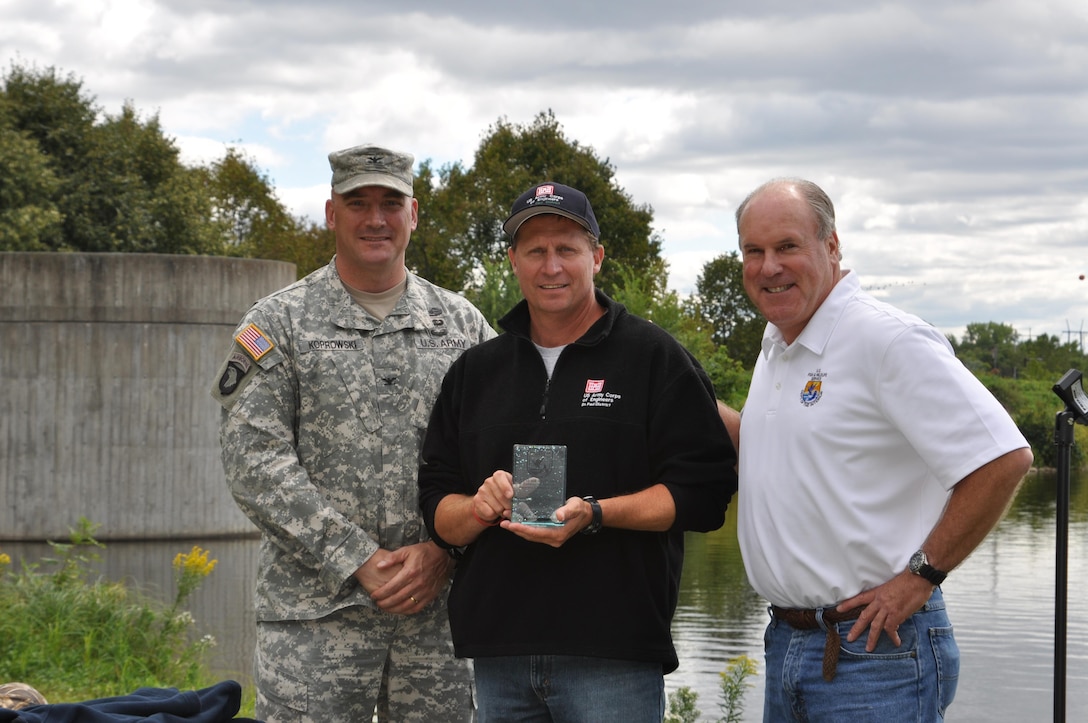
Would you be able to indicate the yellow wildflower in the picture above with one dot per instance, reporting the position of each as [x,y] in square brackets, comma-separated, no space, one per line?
[189,569]
[194,563]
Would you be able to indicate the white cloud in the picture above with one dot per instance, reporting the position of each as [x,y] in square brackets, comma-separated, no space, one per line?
[951,139]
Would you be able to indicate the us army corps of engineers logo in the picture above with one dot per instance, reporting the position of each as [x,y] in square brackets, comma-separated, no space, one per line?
[596,396]
[813,390]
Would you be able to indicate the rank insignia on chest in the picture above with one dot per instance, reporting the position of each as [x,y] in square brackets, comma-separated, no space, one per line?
[254,341]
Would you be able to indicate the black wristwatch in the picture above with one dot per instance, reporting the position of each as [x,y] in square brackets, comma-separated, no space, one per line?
[595,524]
[919,565]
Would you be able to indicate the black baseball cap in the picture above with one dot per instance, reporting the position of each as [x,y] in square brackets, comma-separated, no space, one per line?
[550,197]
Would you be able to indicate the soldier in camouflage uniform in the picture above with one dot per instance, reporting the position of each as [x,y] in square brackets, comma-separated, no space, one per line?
[326,394]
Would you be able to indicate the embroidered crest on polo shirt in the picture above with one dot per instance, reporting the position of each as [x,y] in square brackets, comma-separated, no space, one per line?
[596,396]
[813,390]
[254,341]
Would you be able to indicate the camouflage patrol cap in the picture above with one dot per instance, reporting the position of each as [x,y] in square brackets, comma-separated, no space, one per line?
[371,165]
[16,696]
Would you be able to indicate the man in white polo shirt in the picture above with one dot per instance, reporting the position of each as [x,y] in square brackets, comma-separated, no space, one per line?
[871,464]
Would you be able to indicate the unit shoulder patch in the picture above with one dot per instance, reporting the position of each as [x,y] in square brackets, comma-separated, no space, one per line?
[233,376]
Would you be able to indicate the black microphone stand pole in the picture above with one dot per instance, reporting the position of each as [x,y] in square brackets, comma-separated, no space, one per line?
[1070,389]
[1063,437]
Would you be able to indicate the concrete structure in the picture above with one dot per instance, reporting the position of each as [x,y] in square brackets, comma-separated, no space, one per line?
[105,365]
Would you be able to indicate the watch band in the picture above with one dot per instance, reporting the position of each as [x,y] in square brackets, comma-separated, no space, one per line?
[932,574]
[919,565]
[595,524]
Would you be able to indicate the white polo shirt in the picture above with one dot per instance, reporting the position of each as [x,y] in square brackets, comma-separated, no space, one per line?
[852,438]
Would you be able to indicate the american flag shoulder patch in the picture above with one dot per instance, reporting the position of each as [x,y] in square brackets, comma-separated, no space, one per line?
[254,341]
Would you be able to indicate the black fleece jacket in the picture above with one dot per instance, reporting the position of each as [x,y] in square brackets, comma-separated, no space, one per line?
[634,409]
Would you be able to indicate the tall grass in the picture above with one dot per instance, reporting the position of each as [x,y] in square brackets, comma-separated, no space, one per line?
[75,638]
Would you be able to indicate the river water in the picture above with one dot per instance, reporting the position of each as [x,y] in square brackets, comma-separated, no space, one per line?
[1001,601]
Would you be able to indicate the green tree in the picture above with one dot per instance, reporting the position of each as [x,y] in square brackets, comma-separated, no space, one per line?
[252,219]
[1047,358]
[496,292]
[54,111]
[119,184]
[51,114]
[722,300]
[29,219]
[995,348]
[1033,405]
[988,347]
[513,157]
[132,194]
[645,294]
[443,217]
[314,248]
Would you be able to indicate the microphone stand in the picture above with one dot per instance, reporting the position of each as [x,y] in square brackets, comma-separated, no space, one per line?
[1063,437]
[1070,389]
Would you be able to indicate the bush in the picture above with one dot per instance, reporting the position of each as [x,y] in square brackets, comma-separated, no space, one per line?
[76,639]
[734,681]
[1034,407]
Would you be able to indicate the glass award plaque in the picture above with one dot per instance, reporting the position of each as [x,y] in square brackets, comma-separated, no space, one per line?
[540,483]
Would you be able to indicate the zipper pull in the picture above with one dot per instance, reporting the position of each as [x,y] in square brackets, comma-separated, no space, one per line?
[544,400]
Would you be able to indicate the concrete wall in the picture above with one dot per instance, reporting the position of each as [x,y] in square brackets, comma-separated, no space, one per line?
[105,365]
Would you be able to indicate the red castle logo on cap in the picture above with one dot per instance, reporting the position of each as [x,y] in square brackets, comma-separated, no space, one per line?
[545,190]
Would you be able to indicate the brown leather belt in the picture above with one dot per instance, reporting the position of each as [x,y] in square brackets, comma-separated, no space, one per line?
[810,620]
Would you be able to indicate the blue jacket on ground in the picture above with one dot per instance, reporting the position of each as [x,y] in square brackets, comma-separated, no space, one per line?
[220,702]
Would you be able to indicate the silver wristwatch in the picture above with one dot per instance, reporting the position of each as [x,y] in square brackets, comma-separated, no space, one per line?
[919,565]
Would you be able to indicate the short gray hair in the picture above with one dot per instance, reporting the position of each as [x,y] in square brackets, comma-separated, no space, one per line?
[818,201]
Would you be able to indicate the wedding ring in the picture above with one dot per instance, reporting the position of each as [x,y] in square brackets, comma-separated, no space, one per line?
[413,599]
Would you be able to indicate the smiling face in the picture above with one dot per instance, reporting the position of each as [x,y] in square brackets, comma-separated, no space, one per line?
[788,269]
[554,261]
[372,225]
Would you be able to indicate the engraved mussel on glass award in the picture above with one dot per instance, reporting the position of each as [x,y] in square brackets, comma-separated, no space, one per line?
[540,483]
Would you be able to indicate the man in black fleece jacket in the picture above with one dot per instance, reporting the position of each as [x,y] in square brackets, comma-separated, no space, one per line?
[572,622]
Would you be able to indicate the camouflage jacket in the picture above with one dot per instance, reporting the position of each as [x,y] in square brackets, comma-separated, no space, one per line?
[324,411]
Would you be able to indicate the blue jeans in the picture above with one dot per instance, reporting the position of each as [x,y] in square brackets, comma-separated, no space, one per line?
[562,688]
[914,682]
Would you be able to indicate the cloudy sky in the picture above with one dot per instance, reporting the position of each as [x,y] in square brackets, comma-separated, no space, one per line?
[951,134]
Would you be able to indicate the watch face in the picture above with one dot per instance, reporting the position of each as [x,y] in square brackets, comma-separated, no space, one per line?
[917,560]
